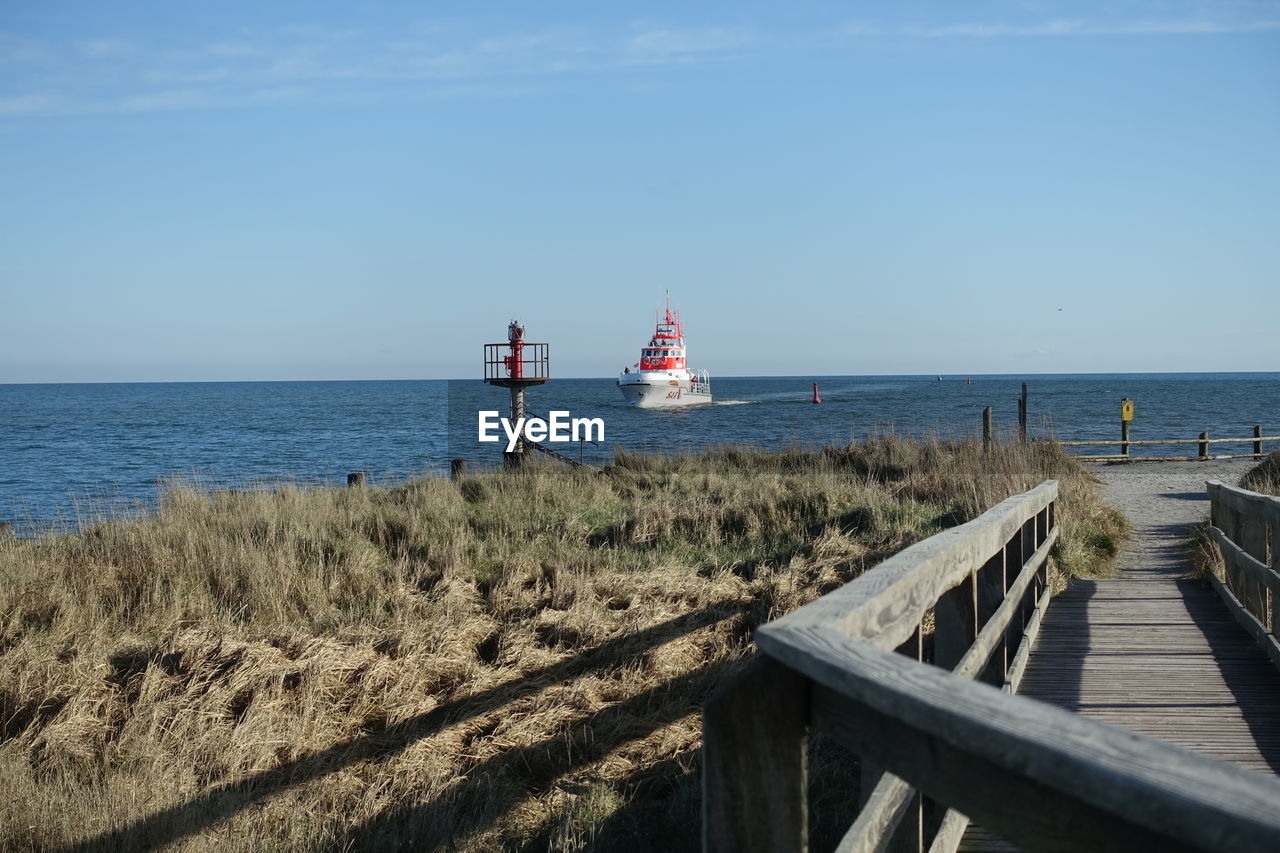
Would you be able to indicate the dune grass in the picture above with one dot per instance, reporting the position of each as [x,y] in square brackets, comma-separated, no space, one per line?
[1263,477]
[516,661]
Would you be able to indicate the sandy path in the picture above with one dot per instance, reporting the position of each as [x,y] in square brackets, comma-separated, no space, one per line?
[1161,500]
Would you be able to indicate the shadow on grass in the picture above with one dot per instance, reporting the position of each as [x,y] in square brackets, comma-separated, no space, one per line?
[491,788]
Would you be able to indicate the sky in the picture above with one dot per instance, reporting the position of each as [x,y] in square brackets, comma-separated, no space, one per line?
[295,191]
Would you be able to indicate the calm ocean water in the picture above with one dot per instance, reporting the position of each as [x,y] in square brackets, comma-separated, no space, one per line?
[68,451]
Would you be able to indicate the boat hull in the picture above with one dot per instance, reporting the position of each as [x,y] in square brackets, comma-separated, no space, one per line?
[669,394]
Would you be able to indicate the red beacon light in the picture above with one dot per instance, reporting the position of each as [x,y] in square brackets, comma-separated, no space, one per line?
[516,365]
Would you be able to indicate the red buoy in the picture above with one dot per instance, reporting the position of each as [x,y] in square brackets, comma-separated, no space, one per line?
[816,398]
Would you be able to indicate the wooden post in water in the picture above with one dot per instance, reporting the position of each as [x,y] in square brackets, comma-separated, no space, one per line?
[1257,443]
[356,479]
[986,428]
[457,469]
[1022,414]
[1204,445]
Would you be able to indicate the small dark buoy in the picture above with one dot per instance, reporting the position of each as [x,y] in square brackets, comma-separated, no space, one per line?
[816,398]
[356,479]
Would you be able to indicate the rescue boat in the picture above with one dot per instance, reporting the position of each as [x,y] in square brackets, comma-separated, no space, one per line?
[661,379]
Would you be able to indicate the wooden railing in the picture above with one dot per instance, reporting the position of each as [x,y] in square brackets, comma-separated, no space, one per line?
[1202,447]
[1035,774]
[1245,525]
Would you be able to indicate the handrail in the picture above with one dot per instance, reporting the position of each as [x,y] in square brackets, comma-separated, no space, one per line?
[1245,527]
[1037,775]
[1202,442]
[1250,440]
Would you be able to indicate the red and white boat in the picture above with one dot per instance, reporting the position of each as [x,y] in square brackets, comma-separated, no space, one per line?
[661,379]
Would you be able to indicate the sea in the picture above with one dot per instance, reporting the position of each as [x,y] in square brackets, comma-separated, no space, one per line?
[74,453]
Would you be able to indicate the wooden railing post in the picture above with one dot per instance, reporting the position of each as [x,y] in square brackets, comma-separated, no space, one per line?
[986,428]
[991,586]
[1251,536]
[755,762]
[1124,438]
[1274,624]
[909,836]
[1204,445]
[1257,443]
[955,620]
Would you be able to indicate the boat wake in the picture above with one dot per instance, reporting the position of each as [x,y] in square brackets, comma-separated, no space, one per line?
[733,402]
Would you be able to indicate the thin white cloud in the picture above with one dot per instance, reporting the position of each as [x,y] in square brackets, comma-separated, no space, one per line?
[104,47]
[172,99]
[32,104]
[666,45]
[861,28]
[1083,27]
[245,68]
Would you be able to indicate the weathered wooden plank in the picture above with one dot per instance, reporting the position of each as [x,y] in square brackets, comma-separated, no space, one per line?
[754,762]
[990,592]
[1243,500]
[1256,629]
[879,817]
[1249,440]
[1019,665]
[1115,458]
[1050,778]
[1243,565]
[886,604]
[955,616]
[955,623]
[994,632]
[950,832]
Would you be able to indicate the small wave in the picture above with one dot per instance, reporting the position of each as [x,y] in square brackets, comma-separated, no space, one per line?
[733,402]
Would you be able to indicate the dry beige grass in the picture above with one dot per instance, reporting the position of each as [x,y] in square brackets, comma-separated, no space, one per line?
[516,661]
[1264,477]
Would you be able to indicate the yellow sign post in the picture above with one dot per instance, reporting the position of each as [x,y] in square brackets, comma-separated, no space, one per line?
[1126,415]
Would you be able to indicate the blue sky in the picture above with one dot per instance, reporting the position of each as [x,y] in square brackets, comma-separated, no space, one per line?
[331,191]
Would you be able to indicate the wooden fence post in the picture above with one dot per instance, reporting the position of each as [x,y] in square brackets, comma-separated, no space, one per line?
[986,428]
[1257,444]
[1124,436]
[1022,414]
[1204,445]
[755,762]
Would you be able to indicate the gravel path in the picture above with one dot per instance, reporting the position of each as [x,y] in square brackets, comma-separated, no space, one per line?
[1161,500]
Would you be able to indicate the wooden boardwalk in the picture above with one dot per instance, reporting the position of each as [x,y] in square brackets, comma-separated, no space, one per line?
[1154,652]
